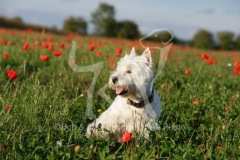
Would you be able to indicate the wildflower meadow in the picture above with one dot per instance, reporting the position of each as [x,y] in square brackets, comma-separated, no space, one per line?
[43,101]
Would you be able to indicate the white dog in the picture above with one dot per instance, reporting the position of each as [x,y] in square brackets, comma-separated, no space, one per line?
[137,106]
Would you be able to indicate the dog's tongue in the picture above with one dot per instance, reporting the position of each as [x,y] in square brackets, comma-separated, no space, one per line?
[119,90]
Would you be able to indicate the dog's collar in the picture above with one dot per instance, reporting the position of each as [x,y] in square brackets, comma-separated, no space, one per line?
[140,104]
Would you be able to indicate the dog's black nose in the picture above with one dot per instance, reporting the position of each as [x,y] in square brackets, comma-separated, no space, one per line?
[114,79]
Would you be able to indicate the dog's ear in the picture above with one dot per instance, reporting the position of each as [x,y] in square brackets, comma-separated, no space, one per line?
[133,52]
[147,54]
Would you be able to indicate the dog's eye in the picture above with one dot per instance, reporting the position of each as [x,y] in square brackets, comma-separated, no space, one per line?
[129,71]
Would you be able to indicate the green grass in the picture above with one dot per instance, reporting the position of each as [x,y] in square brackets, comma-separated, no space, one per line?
[47,118]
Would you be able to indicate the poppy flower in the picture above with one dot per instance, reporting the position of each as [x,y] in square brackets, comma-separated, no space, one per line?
[126,136]
[57,53]
[195,102]
[12,74]
[98,54]
[111,61]
[107,55]
[118,50]
[5,56]
[209,61]
[49,39]
[44,57]
[227,109]
[44,45]
[38,43]
[204,56]
[215,62]
[112,67]
[235,71]
[51,47]
[29,30]
[187,73]
[25,46]
[236,64]
[219,147]
[61,45]
[91,47]
[4,42]
[8,107]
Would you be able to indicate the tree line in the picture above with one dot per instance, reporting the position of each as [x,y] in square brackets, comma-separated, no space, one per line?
[104,23]
[225,40]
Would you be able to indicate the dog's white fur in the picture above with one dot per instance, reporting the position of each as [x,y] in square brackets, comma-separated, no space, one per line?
[135,75]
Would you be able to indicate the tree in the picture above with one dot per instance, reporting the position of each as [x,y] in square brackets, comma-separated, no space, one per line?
[162,37]
[127,29]
[76,25]
[237,43]
[225,39]
[104,20]
[17,19]
[203,39]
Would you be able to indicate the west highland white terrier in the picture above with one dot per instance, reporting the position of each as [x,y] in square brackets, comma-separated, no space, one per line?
[137,106]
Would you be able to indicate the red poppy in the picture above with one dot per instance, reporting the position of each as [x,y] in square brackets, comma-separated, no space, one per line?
[98,54]
[107,55]
[8,107]
[126,136]
[195,102]
[57,53]
[227,109]
[118,50]
[112,67]
[236,64]
[38,43]
[5,56]
[51,47]
[111,61]
[91,47]
[204,56]
[49,39]
[219,147]
[25,46]
[187,73]
[12,74]
[209,61]
[4,42]
[61,45]
[235,71]
[44,45]
[44,57]
[29,30]
[215,62]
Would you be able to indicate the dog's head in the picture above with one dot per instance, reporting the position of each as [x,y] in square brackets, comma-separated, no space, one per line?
[134,75]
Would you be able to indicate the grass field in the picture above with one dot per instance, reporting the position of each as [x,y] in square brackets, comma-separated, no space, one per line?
[43,101]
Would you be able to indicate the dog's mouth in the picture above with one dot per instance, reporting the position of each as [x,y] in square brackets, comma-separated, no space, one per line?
[121,91]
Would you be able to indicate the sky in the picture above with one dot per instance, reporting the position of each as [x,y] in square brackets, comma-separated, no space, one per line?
[182,17]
